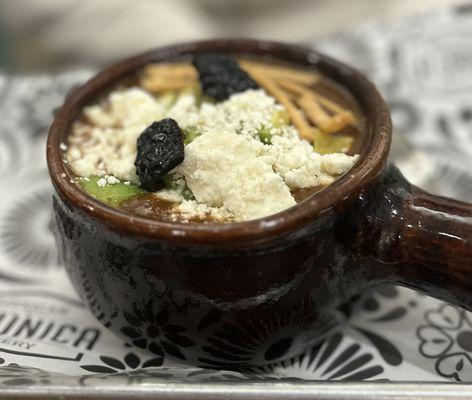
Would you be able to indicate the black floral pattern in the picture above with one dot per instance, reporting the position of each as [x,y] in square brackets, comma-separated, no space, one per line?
[130,361]
[351,364]
[371,304]
[336,358]
[150,329]
[232,345]
[447,339]
[25,232]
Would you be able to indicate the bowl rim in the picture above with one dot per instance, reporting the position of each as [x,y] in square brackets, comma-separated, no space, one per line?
[249,233]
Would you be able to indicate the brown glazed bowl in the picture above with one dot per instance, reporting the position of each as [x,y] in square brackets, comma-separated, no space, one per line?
[252,293]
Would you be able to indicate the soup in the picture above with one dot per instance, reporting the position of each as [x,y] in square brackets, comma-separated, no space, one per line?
[214,140]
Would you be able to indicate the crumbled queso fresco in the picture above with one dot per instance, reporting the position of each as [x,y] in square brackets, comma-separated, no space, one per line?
[234,171]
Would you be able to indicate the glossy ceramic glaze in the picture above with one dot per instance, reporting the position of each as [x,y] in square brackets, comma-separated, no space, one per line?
[252,293]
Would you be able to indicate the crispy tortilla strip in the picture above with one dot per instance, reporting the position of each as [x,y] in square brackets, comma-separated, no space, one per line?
[165,83]
[296,116]
[300,90]
[340,121]
[342,117]
[330,105]
[334,107]
[280,72]
[177,70]
[314,106]
[163,77]
[318,116]
[314,111]
[295,88]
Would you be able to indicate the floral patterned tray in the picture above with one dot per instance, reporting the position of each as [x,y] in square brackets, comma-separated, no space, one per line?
[51,345]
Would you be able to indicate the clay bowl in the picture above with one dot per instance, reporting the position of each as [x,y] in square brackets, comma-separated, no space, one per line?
[244,294]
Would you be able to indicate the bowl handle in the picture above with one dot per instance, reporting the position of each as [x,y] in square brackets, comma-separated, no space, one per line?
[425,240]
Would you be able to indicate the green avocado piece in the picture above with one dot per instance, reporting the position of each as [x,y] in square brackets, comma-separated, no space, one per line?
[326,143]
[111,194]
[280,118]
[170,182]
[265,135]
[191,134]
[179,185]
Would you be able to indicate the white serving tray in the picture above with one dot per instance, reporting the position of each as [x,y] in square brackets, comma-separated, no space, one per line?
[50,345]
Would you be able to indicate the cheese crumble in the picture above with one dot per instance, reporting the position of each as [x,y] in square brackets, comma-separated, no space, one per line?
[243,163]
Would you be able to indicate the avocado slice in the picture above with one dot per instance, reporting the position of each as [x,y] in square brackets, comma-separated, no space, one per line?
[111,194]
[325,143]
